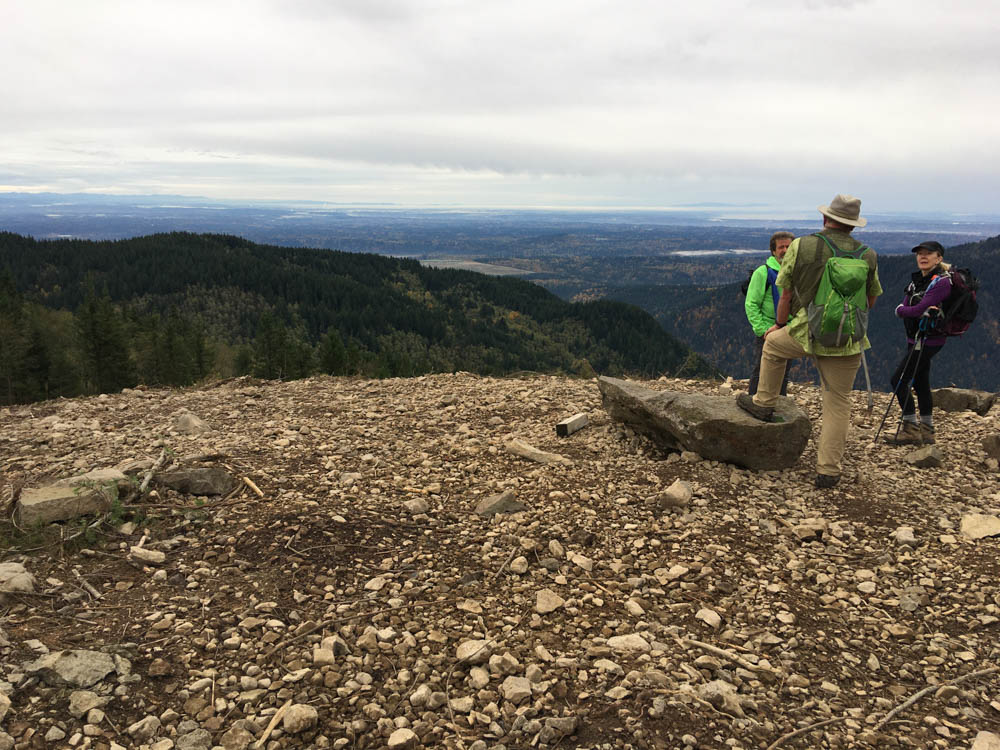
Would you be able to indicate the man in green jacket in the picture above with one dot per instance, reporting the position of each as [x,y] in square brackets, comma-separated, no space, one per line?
[762,299]
[790,337]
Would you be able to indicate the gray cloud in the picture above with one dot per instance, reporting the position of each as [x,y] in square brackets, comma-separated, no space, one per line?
[447,98]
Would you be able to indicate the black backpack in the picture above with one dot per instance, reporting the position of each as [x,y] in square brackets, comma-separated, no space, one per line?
[960,309]
[772,275]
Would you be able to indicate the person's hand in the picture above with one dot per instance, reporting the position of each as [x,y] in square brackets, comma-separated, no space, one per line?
[771,330]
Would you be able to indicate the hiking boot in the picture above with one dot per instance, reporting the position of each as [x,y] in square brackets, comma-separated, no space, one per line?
[826,481]
[927,432]
[909,434]
[763,413]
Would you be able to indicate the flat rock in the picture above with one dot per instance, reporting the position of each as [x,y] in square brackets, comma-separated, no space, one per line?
[811,529]
[524,450]
[516,689]
[474,652]
[416,506]
[928,457]
[82,701]
[197,739]
[504,502]
[78,668]
[403,739]
[547,601]
[714,427]
[963,399]
[97,476]
[151,556]
[237,738]
[980,525]
[61,502]
[205,480]
[986,741]
[631,642]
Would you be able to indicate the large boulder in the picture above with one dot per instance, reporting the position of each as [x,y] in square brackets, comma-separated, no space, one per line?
[963,399]
[714,427]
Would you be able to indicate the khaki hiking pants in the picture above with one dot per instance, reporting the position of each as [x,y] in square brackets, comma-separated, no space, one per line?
[837,375]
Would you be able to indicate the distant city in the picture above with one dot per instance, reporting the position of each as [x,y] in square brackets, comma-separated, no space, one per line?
[453,235]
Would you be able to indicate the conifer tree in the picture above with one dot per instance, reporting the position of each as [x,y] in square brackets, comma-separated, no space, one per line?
[332,353]
[103,344]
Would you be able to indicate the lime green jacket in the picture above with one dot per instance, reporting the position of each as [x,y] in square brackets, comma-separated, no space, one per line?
[759,303]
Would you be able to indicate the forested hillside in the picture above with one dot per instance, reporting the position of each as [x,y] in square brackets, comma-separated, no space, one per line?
[712,320]
[86,317]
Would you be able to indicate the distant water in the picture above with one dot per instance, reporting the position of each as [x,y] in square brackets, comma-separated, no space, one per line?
[731,251]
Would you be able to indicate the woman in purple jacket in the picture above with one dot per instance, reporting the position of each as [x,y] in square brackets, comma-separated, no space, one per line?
[921,309]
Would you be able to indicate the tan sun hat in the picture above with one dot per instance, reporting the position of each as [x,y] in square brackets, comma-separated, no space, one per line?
[846,209]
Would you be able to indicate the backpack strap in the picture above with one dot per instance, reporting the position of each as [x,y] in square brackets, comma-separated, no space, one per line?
[772,277]
[856,253]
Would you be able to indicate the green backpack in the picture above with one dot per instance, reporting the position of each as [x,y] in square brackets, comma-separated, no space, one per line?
[838,314]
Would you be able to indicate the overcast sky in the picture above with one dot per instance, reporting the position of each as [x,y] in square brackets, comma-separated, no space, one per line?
[513,103]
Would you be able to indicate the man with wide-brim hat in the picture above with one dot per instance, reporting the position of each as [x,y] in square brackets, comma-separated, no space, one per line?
[791,336]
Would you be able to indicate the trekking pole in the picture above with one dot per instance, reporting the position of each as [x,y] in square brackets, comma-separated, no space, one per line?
[868,384]
[918,347]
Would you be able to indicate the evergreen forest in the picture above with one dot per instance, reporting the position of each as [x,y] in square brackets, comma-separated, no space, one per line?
[84,317]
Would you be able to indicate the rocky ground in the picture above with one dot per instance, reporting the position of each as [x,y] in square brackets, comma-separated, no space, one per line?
[361,602]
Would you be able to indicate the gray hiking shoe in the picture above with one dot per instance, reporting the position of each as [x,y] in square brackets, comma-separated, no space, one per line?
[763,413]
[927,432]
[909,434]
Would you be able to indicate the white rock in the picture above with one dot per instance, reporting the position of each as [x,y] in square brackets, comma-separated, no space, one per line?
[980,525]
[323,656]
[634,608]
[710,617]
[151,556]
[723,696]
[474,652]
[14,577]
[420,696]
[144,729]
[547,601]
[632,642]
[416,506]
[904,535]
[403,739]
[986,741]
[677,495]
[299,718]
[516,689]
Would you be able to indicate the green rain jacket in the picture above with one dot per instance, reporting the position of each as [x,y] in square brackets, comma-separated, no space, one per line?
[759,304]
